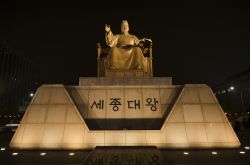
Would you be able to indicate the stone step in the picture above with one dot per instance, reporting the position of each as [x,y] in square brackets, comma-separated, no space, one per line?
[128,155]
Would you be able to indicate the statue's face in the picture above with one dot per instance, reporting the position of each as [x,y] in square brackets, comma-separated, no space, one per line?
[124,27]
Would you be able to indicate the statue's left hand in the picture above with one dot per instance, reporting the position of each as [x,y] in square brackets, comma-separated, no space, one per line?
[144,39]
[148,39]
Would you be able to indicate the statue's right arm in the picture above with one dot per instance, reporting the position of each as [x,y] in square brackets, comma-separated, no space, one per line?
[108,35]
[111,39]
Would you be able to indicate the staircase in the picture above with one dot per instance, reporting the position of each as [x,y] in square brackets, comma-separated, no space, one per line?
[124,156]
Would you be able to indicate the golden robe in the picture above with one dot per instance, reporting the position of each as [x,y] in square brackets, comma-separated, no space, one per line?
[124,54]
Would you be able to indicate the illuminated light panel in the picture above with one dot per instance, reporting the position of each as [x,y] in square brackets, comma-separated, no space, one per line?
[214,153]
[3,149]
[185,153]
[247,147]
[71,154]
[43,153]
[15,153]
[242,152]
[12,125]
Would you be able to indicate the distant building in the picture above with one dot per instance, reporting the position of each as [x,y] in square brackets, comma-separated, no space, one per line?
[18,78]
[234,94]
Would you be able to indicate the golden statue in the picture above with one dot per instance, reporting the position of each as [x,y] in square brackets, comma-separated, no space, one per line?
[124,53]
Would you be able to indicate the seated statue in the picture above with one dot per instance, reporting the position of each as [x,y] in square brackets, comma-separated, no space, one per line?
[124,53]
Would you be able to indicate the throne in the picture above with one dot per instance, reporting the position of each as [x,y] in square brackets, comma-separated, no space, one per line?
[104,71]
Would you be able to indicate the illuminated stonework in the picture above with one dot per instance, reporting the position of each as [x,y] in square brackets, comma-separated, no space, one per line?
[191,117]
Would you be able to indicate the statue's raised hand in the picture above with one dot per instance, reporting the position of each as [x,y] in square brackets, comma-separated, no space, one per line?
[107,28]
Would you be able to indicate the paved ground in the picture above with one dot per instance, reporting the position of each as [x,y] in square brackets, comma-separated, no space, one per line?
[126,156]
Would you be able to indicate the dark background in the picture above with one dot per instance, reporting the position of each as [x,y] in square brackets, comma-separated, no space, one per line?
[193,41]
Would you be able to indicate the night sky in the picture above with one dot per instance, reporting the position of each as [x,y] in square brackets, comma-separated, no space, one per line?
[194,42]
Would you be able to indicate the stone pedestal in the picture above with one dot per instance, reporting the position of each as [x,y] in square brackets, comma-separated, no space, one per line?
[124,112]
[110,81]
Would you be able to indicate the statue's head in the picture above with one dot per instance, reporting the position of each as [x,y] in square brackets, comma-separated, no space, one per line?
[124,26]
